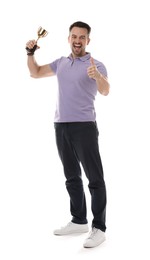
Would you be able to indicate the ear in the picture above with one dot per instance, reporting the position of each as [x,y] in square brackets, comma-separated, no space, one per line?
[88,41]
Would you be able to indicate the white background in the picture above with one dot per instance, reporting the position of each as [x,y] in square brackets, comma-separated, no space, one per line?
[33,199]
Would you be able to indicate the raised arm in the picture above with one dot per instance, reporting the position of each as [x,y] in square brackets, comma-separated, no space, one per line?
[36,71]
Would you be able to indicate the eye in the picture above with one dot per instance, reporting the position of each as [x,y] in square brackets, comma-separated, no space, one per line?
[82,37]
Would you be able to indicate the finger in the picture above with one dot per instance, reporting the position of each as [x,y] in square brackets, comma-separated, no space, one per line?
[92,61]
[31,44]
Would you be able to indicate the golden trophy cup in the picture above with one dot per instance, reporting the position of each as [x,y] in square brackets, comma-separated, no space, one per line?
[41,33]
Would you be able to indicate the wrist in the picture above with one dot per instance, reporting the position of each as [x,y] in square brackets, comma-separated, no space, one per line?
[99,76]
[30,52]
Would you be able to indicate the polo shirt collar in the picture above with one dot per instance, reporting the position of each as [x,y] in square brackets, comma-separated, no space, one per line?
[87,56]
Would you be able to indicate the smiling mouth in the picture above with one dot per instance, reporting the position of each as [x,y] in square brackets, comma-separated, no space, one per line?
[77,46]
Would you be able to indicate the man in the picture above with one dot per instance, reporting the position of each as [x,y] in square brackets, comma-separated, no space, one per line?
[79,78]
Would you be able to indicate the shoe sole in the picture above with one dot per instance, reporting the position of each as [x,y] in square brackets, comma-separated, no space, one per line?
[98,244]
[71,232]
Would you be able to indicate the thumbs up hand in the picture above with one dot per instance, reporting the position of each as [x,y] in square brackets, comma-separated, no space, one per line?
[92,71]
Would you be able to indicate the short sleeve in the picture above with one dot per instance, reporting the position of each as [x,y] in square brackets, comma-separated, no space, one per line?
[54,65]
[101,68]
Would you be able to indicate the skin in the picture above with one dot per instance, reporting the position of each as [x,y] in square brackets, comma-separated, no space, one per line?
[78,39]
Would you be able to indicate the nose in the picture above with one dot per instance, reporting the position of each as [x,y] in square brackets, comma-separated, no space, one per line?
[77,40]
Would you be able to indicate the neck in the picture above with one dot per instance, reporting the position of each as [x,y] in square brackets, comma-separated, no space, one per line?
[76,56]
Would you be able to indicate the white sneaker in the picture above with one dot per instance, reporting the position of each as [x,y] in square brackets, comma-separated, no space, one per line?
[71,228]
[95,238]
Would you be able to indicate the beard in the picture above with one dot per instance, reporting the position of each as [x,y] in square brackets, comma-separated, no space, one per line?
[78,50]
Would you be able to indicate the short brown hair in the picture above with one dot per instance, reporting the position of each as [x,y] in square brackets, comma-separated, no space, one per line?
[80,25]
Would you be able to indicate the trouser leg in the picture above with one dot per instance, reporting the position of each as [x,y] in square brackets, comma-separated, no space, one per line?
[85,142]
[72,173]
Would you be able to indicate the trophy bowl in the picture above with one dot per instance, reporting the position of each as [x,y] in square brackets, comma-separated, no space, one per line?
[41,33]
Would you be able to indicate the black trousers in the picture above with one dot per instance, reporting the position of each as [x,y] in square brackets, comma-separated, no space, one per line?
[77,143]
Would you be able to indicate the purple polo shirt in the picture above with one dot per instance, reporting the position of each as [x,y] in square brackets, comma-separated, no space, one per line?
[76,91]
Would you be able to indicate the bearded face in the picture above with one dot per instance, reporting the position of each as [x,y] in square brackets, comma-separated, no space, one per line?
[78,40]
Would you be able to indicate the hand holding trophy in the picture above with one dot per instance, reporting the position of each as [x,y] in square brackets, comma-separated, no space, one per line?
[41,33]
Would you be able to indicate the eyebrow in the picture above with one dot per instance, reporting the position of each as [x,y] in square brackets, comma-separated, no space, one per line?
[79,36]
